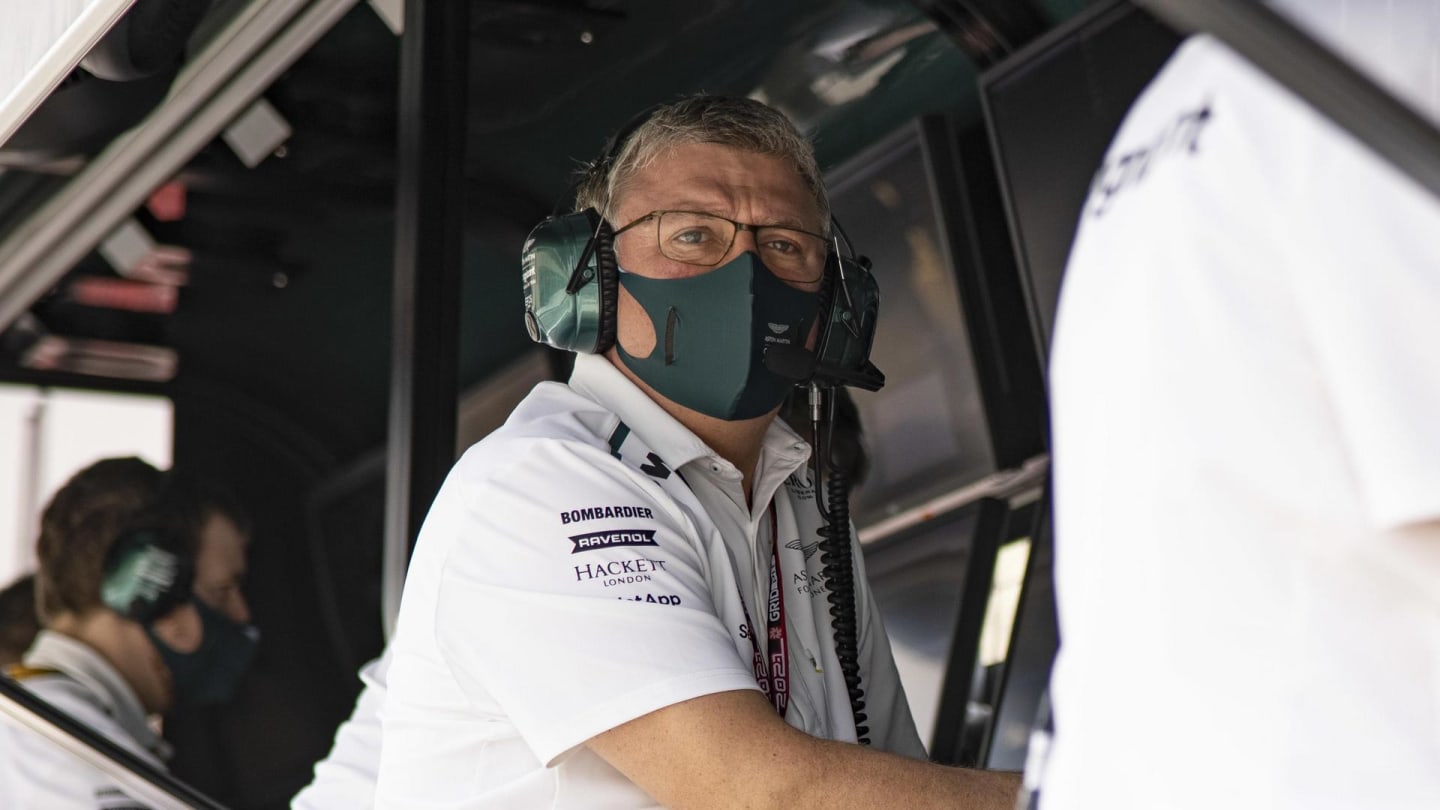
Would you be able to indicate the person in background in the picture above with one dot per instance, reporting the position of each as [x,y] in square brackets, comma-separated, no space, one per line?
[18,620]
[140,603]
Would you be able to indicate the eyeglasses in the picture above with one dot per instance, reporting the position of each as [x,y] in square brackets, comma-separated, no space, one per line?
[703,240]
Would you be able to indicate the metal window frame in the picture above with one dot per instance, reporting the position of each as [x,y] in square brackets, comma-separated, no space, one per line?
[992,528]
[86,29]
[258,43]
[425,311]
[137,778]
[1311,71]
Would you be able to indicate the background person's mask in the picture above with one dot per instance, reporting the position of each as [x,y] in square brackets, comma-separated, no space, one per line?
[711,331]
[212,672]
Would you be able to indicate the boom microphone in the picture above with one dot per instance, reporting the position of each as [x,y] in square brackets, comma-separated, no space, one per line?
[791,362]
[795,363]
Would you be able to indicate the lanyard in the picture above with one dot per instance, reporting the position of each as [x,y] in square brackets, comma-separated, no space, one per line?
[772,670]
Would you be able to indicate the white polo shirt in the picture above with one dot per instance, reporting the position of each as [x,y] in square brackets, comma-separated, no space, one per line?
[1246,417]
[35,772]
[588,563]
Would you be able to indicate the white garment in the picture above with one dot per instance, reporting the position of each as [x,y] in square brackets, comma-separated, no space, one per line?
[567,580]
[35,772]
[1246,420]
[346,776]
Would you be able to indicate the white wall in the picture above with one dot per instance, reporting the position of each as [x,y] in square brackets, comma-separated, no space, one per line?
[70,429]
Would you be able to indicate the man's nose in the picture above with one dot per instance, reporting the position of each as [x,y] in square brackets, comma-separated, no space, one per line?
[239,609]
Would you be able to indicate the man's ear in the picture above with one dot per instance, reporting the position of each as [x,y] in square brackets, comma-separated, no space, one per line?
[181,629]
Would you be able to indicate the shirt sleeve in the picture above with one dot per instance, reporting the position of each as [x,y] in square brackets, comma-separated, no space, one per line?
[892,727]
[576,599]
[1368,283]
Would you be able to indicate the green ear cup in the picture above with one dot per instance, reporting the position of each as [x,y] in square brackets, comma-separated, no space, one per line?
[583,320]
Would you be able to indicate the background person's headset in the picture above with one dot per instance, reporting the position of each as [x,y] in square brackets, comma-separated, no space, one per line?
[146,574]
[571,280]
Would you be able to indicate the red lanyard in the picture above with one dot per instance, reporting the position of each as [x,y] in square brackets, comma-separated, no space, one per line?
[772,673]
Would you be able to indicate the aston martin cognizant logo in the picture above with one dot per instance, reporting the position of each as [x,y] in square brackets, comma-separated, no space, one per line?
[779,328]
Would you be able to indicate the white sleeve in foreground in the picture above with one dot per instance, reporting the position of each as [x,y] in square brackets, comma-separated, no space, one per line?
[1368,280]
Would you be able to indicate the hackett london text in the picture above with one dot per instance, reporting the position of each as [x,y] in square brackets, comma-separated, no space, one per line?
[615,568]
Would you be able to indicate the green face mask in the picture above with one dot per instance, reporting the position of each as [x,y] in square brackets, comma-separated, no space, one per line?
[211,673]
[711,333]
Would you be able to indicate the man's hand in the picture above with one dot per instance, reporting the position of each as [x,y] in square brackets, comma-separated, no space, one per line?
[731,750]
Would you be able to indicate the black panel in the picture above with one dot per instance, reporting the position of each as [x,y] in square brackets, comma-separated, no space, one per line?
[1052,110]
[926,430]
[1007,369]
[346,518]
[257,750]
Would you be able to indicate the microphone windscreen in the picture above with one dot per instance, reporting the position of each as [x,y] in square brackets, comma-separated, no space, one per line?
[791,362]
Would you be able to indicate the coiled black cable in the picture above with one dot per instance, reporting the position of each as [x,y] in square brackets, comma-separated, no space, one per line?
[840,581]
[838,566]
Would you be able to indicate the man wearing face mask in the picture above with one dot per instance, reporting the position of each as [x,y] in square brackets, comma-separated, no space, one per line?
[138,590]
[615,600]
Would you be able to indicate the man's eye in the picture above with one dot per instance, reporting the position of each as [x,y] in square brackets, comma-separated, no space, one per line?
[692,236]
[782,246]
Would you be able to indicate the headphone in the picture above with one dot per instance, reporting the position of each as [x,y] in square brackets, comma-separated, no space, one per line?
[146,574]
[571,282]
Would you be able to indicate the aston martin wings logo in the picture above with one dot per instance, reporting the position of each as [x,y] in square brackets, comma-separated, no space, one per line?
[808,549]
[779,328]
